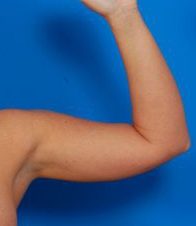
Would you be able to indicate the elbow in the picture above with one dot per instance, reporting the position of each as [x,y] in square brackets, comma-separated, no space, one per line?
[185,145]
[171,148]
[178,147]
[182,141]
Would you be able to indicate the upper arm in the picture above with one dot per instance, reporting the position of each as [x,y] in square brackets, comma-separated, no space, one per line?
[83,150]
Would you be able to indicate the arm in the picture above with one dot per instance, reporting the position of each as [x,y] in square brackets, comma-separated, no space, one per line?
[81,150]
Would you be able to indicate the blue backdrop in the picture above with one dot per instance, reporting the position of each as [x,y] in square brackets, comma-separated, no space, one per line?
[57,55]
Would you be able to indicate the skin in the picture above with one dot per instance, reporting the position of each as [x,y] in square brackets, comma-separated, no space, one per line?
[44,144]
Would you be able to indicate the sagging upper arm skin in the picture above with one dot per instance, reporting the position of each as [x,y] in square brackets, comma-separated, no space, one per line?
[77,149]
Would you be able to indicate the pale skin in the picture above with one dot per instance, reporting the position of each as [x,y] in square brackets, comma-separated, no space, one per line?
[44,144]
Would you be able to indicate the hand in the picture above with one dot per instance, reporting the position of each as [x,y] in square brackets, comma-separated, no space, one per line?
[111,7]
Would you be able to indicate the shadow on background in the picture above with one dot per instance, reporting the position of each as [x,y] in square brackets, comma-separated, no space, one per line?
[74,39]
[79,43]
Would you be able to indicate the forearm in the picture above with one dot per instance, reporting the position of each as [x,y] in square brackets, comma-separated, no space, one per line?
[157,107]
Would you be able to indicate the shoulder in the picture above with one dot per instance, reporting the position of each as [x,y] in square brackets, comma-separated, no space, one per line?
[32,125]
[19,127]
[13,115]
[15,120]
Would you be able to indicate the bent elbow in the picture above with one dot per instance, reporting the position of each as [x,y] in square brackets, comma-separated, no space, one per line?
[185,145]
[171,149]
[179,147]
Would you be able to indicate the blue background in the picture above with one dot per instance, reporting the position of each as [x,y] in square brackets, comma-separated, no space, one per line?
[57,55]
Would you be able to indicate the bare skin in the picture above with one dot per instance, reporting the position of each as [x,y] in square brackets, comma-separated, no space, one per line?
[43,144]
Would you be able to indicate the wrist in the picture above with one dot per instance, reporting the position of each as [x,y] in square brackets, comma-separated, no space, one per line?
[121,17]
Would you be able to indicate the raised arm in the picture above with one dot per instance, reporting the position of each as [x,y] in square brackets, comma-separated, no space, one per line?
[82,150]
[157,108]
[77,149]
